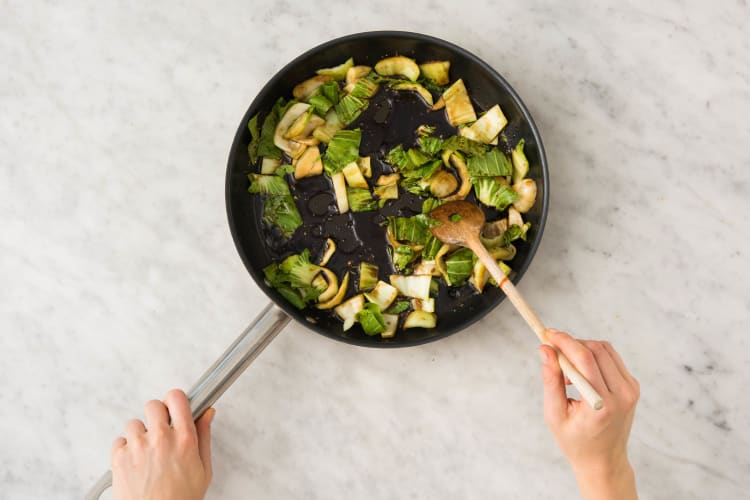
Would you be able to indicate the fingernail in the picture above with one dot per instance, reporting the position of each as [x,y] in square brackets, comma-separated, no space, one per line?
[211,415]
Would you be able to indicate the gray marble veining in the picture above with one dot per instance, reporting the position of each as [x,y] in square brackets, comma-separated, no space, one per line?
[119,279]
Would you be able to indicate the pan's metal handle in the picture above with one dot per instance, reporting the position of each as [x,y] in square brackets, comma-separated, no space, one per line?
[223,372]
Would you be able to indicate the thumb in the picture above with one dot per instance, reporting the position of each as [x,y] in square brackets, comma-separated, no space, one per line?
[203,427]
[555,399]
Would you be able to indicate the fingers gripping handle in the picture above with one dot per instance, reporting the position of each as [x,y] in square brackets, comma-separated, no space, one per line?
[223,372]
[579,381]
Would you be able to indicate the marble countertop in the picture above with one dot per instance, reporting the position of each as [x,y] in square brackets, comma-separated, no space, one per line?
[119,279]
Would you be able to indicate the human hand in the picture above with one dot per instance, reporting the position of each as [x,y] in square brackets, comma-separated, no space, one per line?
[160,461]
[594,441]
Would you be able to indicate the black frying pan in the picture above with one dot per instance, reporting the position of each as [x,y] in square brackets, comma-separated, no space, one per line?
[485,86]
[455,310]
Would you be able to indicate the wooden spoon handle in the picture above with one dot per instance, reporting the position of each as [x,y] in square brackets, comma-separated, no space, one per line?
[524,309]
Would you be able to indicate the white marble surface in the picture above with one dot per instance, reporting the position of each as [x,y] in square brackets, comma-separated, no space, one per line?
[119,279]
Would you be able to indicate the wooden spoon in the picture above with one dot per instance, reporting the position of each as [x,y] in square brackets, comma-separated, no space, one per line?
[460,224]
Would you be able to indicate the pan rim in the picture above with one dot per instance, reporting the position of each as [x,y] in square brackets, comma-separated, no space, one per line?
[273,81]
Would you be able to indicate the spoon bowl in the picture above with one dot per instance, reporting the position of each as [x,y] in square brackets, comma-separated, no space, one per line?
[460,221]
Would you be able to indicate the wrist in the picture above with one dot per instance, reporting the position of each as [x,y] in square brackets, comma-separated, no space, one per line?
[609,479]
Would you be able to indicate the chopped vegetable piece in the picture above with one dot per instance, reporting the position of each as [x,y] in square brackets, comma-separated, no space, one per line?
[427,305]
[398,65]
[479,276]
[391,324]
[364,88]
[309,163]
[487,127]
[325,133]
[413,165]
[350,107]
[430,145]
[383,295]
[455,217]
[283,170]
[364,165]
[336,300]
[385,180]
[266,146]
[360,200]
[309,87]
[430,250]
[399,307]
[430,204]
[298,273]
[514,217]
[520,163]
[439,104]
[443,184]
[432,86]
[268,184]
[307,141]
[458,266]
[414,229]
[354,177]
[331,284]
[423,92]
[337,72]
[458,105]
[252,148]
[330,248]
[397,157]
[436,71]
[342,150]
[464,145]
[269,165]
[491,164]
[440,260]
[355,73]
[493,194]
[515,232]
[292,148]
[402,256]
[416,286]
[339,190]
[463,173]
[417,185]
[304,125]
[434,286]
[387,192]
[371,319]
[420,319]
[279,281]
[492,233]
[503,253]
[320,104]
[417,158]
[299,268]
[330,91]
[348,310]
[426,130]
[368,276]
[526,189]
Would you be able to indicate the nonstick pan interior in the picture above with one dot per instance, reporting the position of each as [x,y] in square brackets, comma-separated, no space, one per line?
[486,87]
